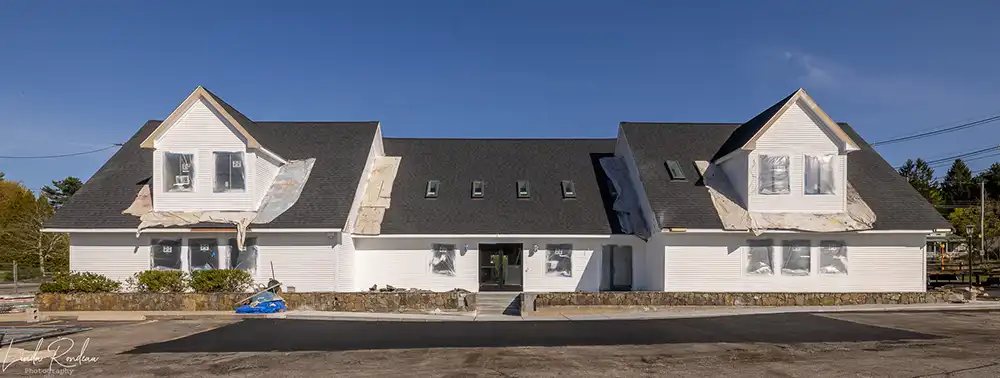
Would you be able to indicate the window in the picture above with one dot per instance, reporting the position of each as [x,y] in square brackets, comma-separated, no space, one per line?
[523,191]
[432,189]
[819,174]
[178,172]
[832,257]
[796,258]
[203,254]
[559,260]
[245,259]
[568,189]
[443,259]
[477,189]
[166,254]
[229,174]
[760,257]
[773,175]
[676,173]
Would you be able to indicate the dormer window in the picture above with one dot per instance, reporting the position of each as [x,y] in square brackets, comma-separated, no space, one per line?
[431,191]
[178,172]
[819,174]
[229,172]
[773,175]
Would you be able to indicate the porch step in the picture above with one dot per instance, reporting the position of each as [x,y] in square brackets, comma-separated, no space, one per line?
[505,303]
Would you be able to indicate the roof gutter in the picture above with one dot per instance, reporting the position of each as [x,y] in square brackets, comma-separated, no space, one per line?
[480,236]
[674,230]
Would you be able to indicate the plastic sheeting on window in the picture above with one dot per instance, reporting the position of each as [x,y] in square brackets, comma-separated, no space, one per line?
[796,258]
[166,254]
[773,175]
[819,174]
[203,254]
[243,258]
[443,260]
[178,172]
[832,257]
[760,258]
[559,260]
[229,172]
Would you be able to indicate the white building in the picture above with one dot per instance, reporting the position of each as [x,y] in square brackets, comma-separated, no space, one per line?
[789,201]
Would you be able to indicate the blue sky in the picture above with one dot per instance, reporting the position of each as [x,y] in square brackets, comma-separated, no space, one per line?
[76,76]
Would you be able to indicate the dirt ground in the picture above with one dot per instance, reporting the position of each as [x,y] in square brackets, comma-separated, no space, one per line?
[969,348]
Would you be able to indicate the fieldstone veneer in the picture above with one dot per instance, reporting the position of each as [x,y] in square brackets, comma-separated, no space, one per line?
[354,302]
[656,298]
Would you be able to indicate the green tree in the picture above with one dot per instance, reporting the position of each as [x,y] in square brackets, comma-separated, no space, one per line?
[920,175]
[991,176]
[958,186]
[1,176]
[62,191]
[964,216]
[21,238]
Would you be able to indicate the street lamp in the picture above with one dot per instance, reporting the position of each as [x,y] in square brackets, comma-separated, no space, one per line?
[969,230]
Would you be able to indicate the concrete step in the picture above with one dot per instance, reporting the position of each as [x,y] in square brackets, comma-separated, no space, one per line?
[498,303]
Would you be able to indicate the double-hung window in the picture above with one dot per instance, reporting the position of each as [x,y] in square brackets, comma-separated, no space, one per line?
[166,254]
[797,258]
[819,174]
[243,259]
[559,260]
[443,259]
[773,175]
[178,172]
[229,172]
[760,257]
[832,257]
[203,254]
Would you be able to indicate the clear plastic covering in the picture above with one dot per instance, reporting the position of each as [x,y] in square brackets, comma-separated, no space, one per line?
[203,254]
[760,257]
[773,175]
[626,205]
[796,256]
[285,189]
[832,257]
[819,174]
[166,254]
[443,260]
[559,260]
[243,258]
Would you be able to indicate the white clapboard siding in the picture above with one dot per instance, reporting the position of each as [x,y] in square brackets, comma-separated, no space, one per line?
[586,263]
[405,263]
[117,256]
[266,170]
[716,263]
[201,131]
[795,134]
[346,265]
[306,261]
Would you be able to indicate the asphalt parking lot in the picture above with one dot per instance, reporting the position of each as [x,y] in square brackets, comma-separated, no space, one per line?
[919,344]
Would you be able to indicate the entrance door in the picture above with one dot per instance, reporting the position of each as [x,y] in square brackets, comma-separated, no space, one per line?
[617,268]
[500,267]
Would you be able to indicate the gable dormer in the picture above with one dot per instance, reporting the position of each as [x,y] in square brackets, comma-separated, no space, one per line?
[790,158]
[205,159]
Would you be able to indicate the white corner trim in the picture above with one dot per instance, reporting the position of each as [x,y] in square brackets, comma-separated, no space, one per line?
[721,231]
[479,236]
[272,155]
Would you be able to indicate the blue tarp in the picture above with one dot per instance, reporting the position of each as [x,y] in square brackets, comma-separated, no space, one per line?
[263,303]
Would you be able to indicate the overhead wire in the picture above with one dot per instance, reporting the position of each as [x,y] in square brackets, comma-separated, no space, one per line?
[936,132]
[63,155]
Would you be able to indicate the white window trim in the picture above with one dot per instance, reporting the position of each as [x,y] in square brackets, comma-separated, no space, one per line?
[246,173]
[775,257]
[163,167]
[223,245]
[785,247]
[819,254]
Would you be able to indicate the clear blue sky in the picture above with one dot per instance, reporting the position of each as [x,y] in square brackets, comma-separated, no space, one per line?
[78,75]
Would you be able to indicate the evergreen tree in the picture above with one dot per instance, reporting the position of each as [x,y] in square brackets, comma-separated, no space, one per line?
[63,190]
[958,185]
[920,175]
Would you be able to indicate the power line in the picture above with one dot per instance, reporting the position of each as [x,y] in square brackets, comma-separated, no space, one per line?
[947,159]
[63,155]
[945,163]
[937,132]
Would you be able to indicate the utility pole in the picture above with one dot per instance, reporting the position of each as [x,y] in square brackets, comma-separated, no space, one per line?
[969,229]
[982,221]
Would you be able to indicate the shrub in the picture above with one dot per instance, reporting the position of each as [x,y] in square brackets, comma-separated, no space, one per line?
[158,281]
[79,283]
[221,281]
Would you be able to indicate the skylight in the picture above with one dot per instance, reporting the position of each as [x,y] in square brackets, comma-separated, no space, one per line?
[432,189]
[676,173]
[477,189]
[523,191]
[568,189]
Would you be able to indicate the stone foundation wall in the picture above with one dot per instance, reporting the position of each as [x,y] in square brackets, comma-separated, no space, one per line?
[655,298]
[353,302]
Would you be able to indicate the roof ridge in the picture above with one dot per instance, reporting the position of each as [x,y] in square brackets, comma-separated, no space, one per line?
[502,139]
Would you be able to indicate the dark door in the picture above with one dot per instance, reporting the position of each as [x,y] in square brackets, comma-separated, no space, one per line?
[500,267]
[617,268]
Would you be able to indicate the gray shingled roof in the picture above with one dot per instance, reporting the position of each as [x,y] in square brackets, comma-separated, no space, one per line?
[739,137]
[340,148]
[500,163]
[896,204]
